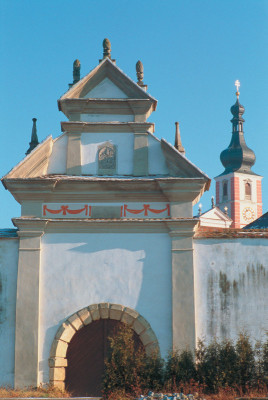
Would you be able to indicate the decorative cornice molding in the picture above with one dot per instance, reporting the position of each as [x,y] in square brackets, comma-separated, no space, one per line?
[106,106]
[27,228]
[81,127]
[95,189]
[180,226]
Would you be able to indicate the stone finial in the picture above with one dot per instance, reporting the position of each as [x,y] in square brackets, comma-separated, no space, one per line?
[199,209]
[139,72]
[226,210]
[212,202]
[106,48]
[34,139]
[76,71]
[178,145]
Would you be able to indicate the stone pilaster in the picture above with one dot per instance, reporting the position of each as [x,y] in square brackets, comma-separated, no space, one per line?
[73,166]
[140,159]
[27,306]
[183,308]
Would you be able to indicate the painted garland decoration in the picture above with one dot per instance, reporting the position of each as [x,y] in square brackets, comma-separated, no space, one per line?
[248,214]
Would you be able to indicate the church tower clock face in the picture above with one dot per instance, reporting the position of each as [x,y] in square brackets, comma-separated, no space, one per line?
[248,214]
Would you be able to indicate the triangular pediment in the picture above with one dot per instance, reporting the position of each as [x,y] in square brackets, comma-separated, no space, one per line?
[103,77]
[215,213]
[106,89]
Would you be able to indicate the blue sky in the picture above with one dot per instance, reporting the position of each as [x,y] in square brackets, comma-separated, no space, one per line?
[192,51]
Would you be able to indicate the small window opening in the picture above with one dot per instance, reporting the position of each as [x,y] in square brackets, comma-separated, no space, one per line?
[225,191]
[247,191]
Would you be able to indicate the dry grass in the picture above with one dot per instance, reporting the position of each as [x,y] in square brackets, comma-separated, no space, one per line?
[231,394]
[44,392]
[197,391]
[51,392]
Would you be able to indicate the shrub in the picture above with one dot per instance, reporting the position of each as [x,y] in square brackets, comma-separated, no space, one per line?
[208,365]
[180,368]
[245,362]
[124,362]
[219,367]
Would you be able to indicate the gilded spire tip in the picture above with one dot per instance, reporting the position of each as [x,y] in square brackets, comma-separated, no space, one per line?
[237,84]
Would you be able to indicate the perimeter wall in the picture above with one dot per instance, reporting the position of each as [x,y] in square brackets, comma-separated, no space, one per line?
[8,288]
[231,287]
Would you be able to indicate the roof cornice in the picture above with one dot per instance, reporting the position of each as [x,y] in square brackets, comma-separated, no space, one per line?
[106,106]
[182,226]
[80,127]
[62,188]
[34,164]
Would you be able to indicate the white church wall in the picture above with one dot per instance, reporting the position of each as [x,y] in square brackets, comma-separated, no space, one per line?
[156,159]
[8,285]
[89,151]
[231,287]
[106,89]
[57,161]
[82,269]
[106,117]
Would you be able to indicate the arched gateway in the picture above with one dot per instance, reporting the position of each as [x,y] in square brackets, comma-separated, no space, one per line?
[80,345]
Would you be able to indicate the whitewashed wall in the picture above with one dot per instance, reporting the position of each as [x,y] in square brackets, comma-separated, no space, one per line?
[57,161]
[156,158]
[89,151]
[8,286]
[106,89]
[106,117]
[82,269]
[231,287]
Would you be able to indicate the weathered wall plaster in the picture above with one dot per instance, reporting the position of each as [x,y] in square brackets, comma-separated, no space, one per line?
[8,285]
[231,287]
[82,269]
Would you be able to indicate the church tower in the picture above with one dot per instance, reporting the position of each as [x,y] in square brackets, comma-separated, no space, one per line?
[238,188]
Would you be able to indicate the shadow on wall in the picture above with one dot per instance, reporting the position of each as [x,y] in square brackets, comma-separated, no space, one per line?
[129,269]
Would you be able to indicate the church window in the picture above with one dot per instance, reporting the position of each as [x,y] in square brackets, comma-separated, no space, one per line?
[107,159]
[247,191]
[225,190]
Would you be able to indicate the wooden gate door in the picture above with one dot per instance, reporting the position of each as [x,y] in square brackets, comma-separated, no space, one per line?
[85,355]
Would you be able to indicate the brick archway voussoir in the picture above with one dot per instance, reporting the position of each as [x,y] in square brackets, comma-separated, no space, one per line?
[83,317]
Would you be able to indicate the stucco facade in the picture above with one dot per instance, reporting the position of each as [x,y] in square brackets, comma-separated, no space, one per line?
[106,232]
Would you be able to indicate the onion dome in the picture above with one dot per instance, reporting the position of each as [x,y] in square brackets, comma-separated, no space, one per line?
[238,156]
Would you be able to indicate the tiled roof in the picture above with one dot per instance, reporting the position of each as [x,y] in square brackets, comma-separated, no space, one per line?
[8,233]
[203,233]
[260,223]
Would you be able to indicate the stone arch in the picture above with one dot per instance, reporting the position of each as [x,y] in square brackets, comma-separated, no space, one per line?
[81,318]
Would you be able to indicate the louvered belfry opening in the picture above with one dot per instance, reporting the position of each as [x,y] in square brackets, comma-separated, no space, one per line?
[86,354]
